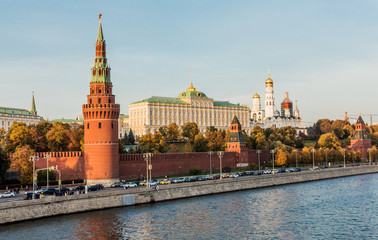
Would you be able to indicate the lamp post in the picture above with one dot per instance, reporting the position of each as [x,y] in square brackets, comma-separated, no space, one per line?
[326,150]
[60,176]
[296,158]
[369,150]
[344,156]
[147,158]
[353,155]
[313,159]
[34,158]
[273,151]
[47,173]
[258,157]
[220,154]
[210,161]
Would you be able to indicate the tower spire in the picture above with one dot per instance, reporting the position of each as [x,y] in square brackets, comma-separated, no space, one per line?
[100,35]
[33,108]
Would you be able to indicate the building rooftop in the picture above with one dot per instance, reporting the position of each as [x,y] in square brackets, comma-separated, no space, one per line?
[17,111]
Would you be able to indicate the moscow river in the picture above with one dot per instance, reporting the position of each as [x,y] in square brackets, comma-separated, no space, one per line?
[343,208]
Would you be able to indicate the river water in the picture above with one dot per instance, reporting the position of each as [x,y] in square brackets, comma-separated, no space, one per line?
[343,208]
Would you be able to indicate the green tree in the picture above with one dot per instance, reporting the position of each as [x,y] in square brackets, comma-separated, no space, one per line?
[4,164]
[125,139]
[163,130]
[323,126]
[200,143]
[189,130]
[131,137]
[42,176]
[20,162]
[195,171]
[160,143]
[57,137]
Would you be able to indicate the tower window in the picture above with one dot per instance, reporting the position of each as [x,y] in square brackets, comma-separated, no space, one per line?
[99,125]
[99,91]
[94,72]
[107,91]
[87,125]
[110,101]
[112,124]
[99,100]
[92,91]
[90,101]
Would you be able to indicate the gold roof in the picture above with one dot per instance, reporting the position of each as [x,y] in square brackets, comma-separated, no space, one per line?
[269,80]
[256,95]
[191,88]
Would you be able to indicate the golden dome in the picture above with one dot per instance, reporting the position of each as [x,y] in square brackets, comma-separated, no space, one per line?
[256,96]
[191,88]
[269,80]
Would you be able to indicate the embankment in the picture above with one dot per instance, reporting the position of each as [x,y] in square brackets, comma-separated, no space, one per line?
[53,206]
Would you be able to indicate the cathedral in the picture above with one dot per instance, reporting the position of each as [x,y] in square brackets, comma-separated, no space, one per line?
[272,117]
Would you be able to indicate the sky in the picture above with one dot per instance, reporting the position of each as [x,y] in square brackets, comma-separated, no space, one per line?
[323,52]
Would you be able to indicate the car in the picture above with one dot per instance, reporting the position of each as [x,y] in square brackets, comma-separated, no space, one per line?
[259,172]
[274,171]
[340,165]
[95,187]
[315,168]
[226,175]
[63,191]
[152,183]
[201,178]
[50,191]
[78,188]
[29,196]
[234,175]
[298,169]
[164,182]
[325,166]
[292,170]
[181,180]
[282,170]
[130,185]
[143,183]
[117,184]
[210,177]
[267,171]
[7,195]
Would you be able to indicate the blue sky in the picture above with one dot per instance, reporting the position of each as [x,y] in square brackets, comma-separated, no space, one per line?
[324,53]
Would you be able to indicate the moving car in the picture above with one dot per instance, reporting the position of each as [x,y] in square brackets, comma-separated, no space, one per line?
[7,195]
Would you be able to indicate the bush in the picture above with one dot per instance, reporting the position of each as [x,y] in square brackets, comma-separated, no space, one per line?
[226,169]
[195,171]
[252,166]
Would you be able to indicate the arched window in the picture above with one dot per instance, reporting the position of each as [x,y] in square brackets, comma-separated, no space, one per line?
[99,100]
[99,91]
[90,101]
[100,72]
[87,125]
[110,101]
[94,72]
[99,125]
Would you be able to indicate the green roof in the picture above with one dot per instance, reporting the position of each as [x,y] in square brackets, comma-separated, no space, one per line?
[100,35]
[66,121]
[192,94]
[16,111]
[123,116]
[167,100]
[227,104]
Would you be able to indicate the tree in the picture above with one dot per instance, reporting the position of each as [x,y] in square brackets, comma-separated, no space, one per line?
[337,128]
[131,137]
[163,130]
[260,141]
[160,144]
[125,139]
[42,176]
[189,130]
[20,162]
[173,132]
[188,147]
[200,143]
[3,135]
[18,136]
[4,164]
[39,141]
[215,140]
[146,143]
[173,148]
[57,137]
[323,126]
[281,158]
[75,136]
[328,140]
[195,171]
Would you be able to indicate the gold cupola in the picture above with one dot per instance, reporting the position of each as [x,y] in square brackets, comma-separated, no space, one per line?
[256,95]
[191,88]
[269,81]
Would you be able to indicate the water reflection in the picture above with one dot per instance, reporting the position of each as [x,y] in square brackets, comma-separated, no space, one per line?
[342,208]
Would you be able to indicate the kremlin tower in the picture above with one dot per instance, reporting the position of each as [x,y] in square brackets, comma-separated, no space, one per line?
[101,121]
[269,98]
[287,106]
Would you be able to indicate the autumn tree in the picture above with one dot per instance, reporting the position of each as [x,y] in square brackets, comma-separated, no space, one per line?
[20,163]
[57,137]
[163,130]
[17,136]
[323,126]
[160,143]
[173,133]
[328,140]
[173,148]
[215,140]
[152,143]
[189,130]
[281,158]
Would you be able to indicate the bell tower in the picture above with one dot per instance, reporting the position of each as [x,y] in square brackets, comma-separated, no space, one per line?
[101,121]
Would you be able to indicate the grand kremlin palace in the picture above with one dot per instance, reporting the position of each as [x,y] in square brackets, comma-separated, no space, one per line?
[148,115]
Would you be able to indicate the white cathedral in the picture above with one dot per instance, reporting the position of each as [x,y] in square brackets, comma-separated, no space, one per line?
[272,117]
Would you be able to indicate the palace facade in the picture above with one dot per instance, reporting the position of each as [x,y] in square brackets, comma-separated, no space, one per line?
[10,115]
[148,115]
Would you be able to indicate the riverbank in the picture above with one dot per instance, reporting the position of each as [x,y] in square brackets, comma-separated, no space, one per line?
[51,206]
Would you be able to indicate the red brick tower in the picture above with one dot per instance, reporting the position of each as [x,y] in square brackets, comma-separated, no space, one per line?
[236,141]
[360,141]
[101,122]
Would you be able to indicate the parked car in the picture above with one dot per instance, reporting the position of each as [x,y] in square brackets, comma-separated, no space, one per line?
[29,196]
[181,180]
[267,171]
[117,184]
[7,195]
[164,182]
[95,187]
[130,185]
[274,171]
[234,175]
[291,170]
[282,170]
[77,188]
[259,172]
[315,168]
[50,191]
[152,183]
[325,166]
[298,169]
[340,165]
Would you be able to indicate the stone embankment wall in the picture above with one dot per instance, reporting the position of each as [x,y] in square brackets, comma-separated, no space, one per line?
[52,206]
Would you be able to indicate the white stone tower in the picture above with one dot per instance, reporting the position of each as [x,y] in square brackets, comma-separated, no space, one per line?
[257,114]
[269,97]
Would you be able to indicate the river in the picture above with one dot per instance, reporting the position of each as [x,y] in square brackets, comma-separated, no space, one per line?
[343,208]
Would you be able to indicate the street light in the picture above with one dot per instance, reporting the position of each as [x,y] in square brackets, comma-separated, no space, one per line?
[344,156]
[258,157]
[296,158]
[326,150]
[47,163]
[210,161]
[147,158]
[34,158]
[60,177]
[313,158]
[220,154]
[273,151]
